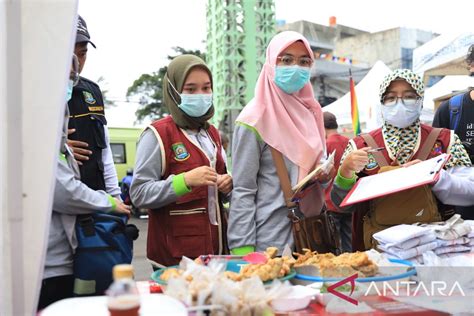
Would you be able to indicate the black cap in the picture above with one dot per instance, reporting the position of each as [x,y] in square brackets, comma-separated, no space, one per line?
[82,34]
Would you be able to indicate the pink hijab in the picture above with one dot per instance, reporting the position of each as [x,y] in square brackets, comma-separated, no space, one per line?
[291,123]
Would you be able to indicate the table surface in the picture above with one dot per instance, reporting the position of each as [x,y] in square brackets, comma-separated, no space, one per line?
[381,304]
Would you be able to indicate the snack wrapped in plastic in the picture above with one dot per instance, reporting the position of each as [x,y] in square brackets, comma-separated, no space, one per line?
[200,285]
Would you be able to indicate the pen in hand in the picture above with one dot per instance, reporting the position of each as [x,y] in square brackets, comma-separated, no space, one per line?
[373,150]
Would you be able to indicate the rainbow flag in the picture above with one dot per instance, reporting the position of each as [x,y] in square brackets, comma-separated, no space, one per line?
[354,107]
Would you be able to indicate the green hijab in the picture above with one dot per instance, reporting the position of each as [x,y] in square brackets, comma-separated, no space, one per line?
[178,70]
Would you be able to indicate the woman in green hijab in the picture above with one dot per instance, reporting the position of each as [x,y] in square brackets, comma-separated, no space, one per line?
[180,169]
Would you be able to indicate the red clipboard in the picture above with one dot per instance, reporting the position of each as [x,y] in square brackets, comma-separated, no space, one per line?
[371,187]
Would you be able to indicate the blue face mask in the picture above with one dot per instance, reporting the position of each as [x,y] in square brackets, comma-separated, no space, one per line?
[70,86]
[195,105]
[291,78]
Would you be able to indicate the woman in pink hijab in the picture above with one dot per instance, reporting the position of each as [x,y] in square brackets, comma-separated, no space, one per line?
[283,115]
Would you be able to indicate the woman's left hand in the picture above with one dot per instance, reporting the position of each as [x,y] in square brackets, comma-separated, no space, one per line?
[224,183]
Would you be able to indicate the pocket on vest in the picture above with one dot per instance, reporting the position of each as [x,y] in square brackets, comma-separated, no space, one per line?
[189,233]
[98,130]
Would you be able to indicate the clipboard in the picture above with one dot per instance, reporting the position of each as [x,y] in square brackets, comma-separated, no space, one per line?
[371,187]
[312,178]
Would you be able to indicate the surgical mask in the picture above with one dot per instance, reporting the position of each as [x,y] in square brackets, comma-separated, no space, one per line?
[195,105]
[70,85]
[291,78]
[400,115]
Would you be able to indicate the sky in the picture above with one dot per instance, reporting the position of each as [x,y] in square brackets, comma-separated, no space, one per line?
[136,36]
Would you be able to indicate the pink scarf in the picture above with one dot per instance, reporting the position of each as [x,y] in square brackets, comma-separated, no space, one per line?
[291,123]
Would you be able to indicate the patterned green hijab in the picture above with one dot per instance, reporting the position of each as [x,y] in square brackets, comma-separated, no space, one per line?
[406,74]
[402,143]
[177,73]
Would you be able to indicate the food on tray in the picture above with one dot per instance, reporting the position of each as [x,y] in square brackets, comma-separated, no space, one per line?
[271,252]
[273,268]
[344,265]
[170,273]
[233,276]
[270,270]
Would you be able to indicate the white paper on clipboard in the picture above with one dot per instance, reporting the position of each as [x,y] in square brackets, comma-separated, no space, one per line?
[397,180]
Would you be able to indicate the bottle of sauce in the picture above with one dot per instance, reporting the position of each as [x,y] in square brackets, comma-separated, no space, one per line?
[123,297]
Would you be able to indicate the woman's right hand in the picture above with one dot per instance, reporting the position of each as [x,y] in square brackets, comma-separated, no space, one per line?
[200,176]
[354,162]
[122,208]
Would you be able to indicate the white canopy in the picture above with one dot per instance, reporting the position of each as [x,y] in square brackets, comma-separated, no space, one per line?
[36,42]
[445,86]
[367,93]
[442,56]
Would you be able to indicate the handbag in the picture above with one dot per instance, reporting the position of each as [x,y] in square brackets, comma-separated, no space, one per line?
[104,240]
[318,232]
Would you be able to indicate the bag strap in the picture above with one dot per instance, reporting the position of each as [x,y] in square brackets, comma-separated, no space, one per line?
[282,173]
[425,151]
[455,108]
[86,223]
[378,156]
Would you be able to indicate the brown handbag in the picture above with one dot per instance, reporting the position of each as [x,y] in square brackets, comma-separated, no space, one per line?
[317,233]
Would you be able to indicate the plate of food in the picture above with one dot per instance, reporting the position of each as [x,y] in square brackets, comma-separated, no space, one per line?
[313,267]
[280,268]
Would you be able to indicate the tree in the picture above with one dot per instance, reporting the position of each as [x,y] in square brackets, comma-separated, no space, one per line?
[149,89]
[103,86]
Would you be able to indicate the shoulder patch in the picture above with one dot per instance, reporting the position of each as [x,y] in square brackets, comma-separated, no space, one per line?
[180,152]
[88,97]
[437,149]
[372,164]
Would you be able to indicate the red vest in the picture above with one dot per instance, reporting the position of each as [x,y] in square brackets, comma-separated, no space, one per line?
[183,228]
[441,146]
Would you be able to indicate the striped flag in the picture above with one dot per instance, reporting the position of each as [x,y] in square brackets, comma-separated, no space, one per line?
[354,107]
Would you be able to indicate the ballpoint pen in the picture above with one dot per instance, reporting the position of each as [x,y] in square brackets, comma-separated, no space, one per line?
[375,149]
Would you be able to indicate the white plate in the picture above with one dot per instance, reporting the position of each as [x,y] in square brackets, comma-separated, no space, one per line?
[152,304]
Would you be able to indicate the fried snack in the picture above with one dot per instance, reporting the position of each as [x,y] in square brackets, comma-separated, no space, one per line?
[369,270]
[330,270]
[271,252]
[343,265]
[233,276]
[265,271]
[170,273]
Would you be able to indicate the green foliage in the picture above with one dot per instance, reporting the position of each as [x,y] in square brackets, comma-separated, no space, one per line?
[105,91]
[149,89]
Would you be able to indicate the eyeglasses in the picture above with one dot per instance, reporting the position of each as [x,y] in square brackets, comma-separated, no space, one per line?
[74,73]
[409,99]
[289,60]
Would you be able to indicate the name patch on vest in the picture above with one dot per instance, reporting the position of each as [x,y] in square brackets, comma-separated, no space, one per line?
[180,152]
[88,97]
[96,108]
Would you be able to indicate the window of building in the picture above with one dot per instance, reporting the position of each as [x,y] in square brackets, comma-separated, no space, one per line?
[407,58]
[118,152]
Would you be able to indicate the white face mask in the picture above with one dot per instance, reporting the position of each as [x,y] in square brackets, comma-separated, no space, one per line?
[400,115]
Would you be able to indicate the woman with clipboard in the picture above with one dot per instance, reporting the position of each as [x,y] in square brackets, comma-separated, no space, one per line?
[405,141]
[285,116]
